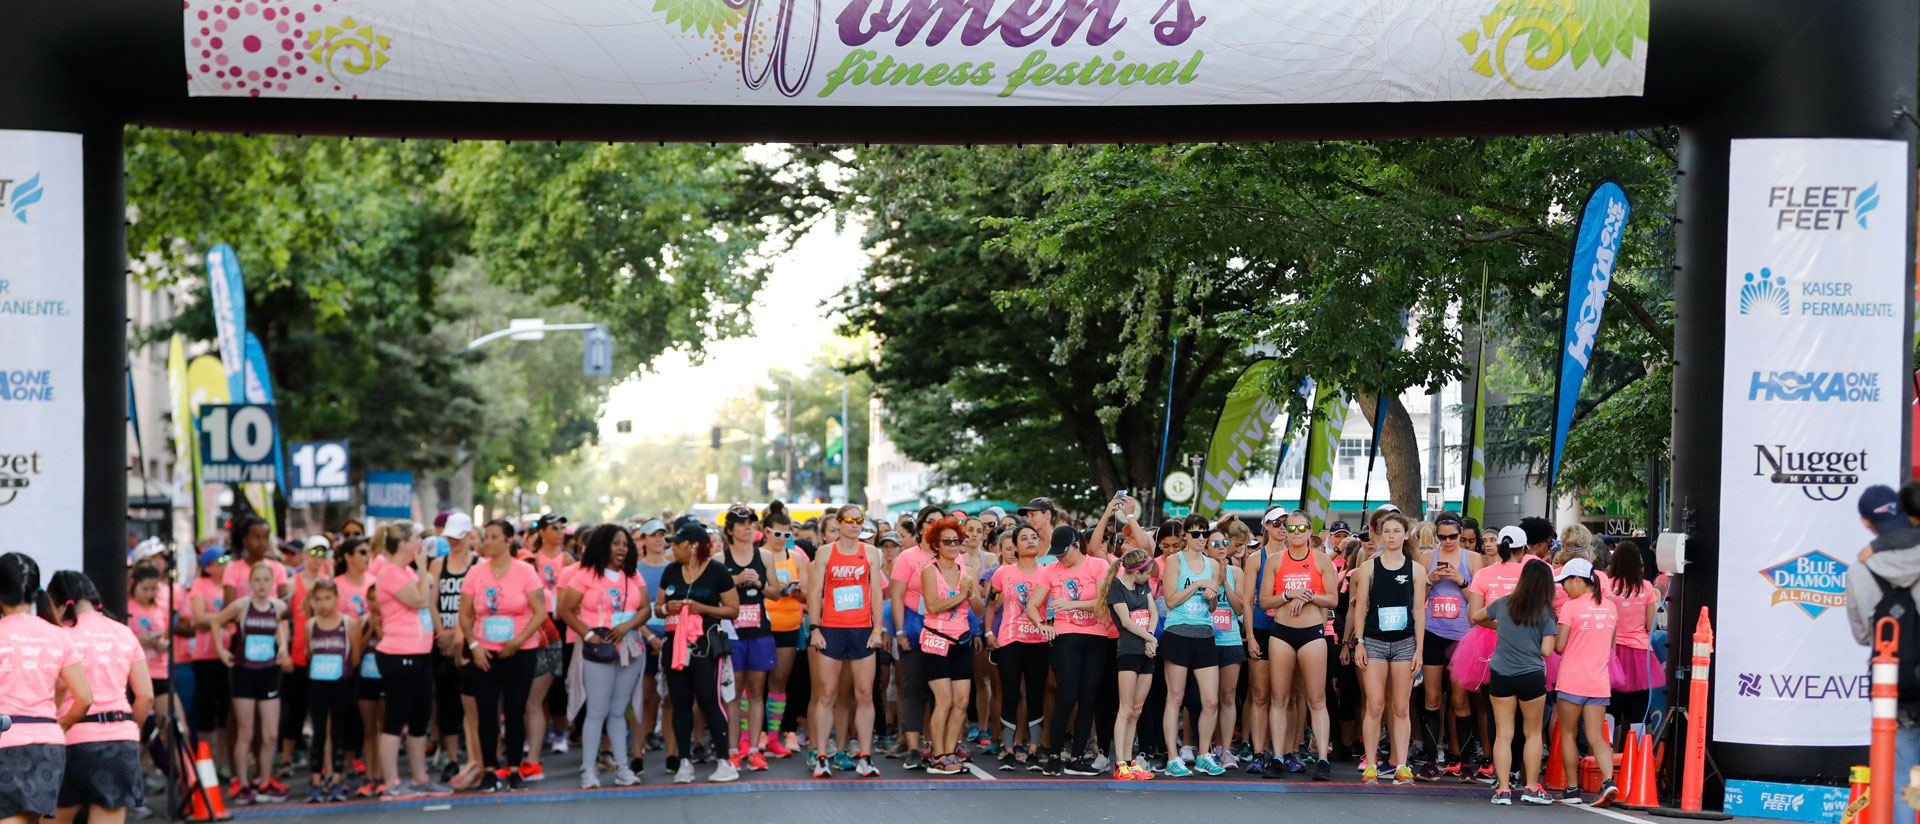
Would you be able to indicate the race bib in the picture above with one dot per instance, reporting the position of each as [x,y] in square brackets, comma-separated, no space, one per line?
[933,643]
[673,621]
[749,616]
[497,629]
[1026,631]
[1079,617]
[849,598]
[261,648]
[1392,619]
[327,666]
[622,617]
[369,667]
[1444,607]
[1223,620]
[426,620]
[1142,618]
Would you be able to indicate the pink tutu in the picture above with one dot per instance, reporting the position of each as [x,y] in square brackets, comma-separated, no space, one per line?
[1553,671]
[1634,670]
[1471,659]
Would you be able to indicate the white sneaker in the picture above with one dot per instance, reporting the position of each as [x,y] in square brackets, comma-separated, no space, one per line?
[623,777]
[1186,753]
[684,775]
[560,743]
[1101,764]
[590,780]
[724,773]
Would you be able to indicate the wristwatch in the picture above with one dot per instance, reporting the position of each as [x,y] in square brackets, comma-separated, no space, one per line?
[474,645]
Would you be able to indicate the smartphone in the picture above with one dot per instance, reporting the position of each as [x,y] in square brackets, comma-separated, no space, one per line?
[438,547]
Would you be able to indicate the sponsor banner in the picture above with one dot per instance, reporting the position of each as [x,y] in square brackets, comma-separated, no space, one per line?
[1323,446]
[1814,404]
[389,494]
[41,307]
[1245,419]
[918,52]
[206,385]
[1597,243]
[1786,802]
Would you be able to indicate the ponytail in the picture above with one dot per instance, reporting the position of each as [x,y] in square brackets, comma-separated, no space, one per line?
[70,587]
[20,582]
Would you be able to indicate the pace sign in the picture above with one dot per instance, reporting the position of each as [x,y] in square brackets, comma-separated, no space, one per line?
[236,443]
[320,472]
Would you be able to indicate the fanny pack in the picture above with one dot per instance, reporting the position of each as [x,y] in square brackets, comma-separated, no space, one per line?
[103,718]
[600,653]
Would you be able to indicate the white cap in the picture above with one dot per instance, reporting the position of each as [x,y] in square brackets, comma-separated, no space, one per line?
[1513,536]
[1278,513]
[1388,508]
[148,548]
[318,542]
[459,525]
[1575,568]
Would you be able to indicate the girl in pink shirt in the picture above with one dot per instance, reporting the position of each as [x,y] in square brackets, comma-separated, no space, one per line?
[34,656]
[1020,649]
[150,622]
[1635,671]
[404,591]
[1585,643]
[103,753]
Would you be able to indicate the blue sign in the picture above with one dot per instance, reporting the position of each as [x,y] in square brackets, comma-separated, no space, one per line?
[1597,245]
[320,472]
[1786,802]
[389,494]
[236,443]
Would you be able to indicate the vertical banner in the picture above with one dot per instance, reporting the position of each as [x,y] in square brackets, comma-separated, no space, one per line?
[259,387]
[1245,419]
[1323,445]
[186,447]
[42,301]
[229,296]
[206,386]
[1814,393]
[1476,453]
[1596,244]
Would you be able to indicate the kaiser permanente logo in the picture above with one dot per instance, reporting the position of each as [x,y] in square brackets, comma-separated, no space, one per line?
[17,195]
[1770,295]
[1766,295]
[1815,387]
[1815,581]
[1822,208]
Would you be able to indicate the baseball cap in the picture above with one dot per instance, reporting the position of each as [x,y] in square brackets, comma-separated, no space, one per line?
[690,533]
[148,548]
[550,520]
[1037,505]
[1064,537]
[1880,506]
[1513,536]
[866,535]
[1388,508]
[318,542]
[440,520]
[652,525]
[891,536]
[1275,515]
[211,555]
[994,512]
[1575,568]
[457,525]
[1340,526]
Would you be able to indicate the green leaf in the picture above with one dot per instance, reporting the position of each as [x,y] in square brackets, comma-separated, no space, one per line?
[699,15]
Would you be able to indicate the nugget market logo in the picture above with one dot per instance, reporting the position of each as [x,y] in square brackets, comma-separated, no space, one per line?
[1816,582]
[17,472]
[1821,475]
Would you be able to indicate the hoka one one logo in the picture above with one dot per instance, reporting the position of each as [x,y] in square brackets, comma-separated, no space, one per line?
[1766,295]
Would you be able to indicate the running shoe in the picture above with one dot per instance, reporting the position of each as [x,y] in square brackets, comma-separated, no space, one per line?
[1274,769]
[1186,753]
[1053,766]
[1207,765]
[1229,760]
[317,793]
[399,791]
[1010,760]
[1536,794]
[821,769]
[371,789]
[604,762]
[684,775]
[1079,766]
[466,777]
[944,765]
[863,766]
[1124,772]
[1467,771]
[842,761]
[914,760]
[337,793]
[1323,770]
[271,791]
[701,754]
[1293,763]
[673,764]
[240,797]
[559,742]
[1141,773]
[756,762]
[724,773]
[1257,764]
[1606,794]
[1369,774]
[655,741]
[1177,768]
[1428,772]
[637,764]
[490,782]
[1101,764]
[514,782]
[1571,795]
[1403,776]
[590,780]
[434,789]
[973,731]
[623,777]
[776,749]
[530,771]
[793,742]
[1503,798]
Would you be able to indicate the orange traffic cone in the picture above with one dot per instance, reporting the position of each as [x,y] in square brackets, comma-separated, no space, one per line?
[204,795]
[1645,792]
[1555,774]
[1862,779]
[1626,777]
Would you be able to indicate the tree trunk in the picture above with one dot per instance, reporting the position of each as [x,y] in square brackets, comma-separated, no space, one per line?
[1401,450]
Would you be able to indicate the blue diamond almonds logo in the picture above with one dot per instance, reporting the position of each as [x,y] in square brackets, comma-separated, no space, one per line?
[1765,295]
[1816,582]
[16,196]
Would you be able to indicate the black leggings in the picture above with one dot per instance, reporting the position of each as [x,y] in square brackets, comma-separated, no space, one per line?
[1022,662]
[1079,665]
[293,704]
[409,682]
[1108,705]
[330,701]
[509,681]
[700,681]
[913,690]
[446,695]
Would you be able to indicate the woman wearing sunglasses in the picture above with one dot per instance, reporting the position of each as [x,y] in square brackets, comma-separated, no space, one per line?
[1227,640]
[1019,647]
[1298,589]
[949,594]
[844,608]
[1192,582]
[1389,616]
[786,606]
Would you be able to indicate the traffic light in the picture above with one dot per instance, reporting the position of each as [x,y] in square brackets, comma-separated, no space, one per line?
[716,437]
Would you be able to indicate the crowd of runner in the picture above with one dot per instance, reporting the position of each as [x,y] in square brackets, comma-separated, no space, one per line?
[420,661]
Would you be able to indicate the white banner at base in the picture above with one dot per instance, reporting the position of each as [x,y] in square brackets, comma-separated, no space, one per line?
[1816,279]
[41,305]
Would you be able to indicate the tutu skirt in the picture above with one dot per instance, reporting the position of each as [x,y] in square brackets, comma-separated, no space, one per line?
[1471,665]
[1553,671]
[1634,670]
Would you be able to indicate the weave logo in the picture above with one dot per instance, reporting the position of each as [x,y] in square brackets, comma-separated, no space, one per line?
[1765,295]
[1749,685]
[1816,582]
[16,196]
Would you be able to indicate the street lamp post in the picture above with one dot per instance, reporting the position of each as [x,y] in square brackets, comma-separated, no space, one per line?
[789,430]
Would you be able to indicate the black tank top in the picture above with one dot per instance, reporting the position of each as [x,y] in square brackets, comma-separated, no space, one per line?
[328,641]
[1390,596]
[450,582]
[257,623]
[752,598]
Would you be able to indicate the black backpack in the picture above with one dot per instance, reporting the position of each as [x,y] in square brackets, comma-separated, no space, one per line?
[1897,603]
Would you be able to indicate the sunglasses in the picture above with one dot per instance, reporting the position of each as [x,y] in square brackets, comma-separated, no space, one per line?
[779,535]
[952,541]
[1299,528]
[224,559]
[318,552]
[855,521]
[1450,537]
[1217,544]
[1196,534]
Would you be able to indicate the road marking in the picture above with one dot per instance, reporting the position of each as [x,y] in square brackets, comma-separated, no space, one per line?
[436,808]
[1616,814]
[981,774]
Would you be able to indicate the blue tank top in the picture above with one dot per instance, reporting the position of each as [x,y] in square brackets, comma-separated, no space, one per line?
[1196,611]
[1261,620]
[1447,604]
[651,574]
[1229,637]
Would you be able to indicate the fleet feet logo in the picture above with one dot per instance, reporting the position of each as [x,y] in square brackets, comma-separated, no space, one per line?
[1550,31]
[17,195]
[1816,582]
[1765,295]
[1869,201]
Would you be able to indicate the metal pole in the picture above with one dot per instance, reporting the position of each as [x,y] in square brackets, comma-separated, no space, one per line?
[1166,429]
[790,483]
[846,443]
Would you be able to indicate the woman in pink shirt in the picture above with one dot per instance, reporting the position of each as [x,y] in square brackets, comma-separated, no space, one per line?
[1080,656]
[151,625]
[1635,670]
[34,656]
[503,604]
[600,605]
[1019,647]
[1495,581]
[404,591]
[1585,643]
[103,753]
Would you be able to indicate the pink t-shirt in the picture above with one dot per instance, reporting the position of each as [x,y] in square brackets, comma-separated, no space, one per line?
[906,569]
[403,629]
[1080,583]
[353,597]
[32,654]
[206,598]
[501,608]
[1016,588]
[239,571]
[150,622]
[605,600]
[1496,582]
[1583,665]
[952,622]
[107,650]
[1633,615]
